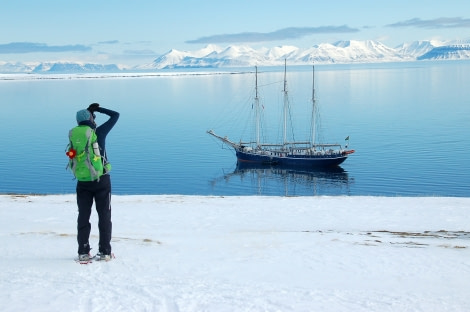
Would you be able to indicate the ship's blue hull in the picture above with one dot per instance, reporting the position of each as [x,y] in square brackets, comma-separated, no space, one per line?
[315,161]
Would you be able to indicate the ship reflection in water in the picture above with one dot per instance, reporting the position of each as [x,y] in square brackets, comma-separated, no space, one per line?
[280,180]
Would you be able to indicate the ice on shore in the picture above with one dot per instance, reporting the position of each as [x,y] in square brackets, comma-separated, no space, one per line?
[200,253]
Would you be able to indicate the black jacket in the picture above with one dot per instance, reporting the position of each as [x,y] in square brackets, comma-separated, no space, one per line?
[103,130]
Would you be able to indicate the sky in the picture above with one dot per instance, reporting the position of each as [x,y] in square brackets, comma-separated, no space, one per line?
[137,32]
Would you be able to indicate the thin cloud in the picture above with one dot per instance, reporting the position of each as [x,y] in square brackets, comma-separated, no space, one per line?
[109,42]
[140,52]
[281,34]
[31,47]
[443,22]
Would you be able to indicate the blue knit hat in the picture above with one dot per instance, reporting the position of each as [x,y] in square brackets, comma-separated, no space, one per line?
[83,115]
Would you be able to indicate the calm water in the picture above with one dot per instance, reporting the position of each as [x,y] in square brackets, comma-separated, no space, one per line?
[409,124]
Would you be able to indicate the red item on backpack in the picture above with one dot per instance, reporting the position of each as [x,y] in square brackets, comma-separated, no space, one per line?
[71,153]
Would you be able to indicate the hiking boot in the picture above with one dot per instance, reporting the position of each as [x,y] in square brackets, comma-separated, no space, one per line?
[84,257]
[103,257]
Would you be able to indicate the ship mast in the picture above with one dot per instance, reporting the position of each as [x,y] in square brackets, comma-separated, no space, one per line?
[285,104]
[314,126]
[257,112]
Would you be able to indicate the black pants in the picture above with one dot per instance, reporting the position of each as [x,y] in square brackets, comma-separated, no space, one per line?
[100,192]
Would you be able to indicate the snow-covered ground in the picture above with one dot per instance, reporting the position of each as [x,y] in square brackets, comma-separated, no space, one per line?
[197,253]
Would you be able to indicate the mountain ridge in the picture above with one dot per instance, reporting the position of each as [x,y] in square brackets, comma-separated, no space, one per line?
[213,56]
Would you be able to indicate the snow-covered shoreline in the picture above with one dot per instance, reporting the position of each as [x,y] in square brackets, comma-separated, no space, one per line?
[118,75]
[249,253]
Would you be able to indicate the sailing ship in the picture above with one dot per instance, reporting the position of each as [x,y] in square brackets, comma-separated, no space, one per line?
[308,154]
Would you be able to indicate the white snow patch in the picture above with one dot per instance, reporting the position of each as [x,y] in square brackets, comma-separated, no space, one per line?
[197,253]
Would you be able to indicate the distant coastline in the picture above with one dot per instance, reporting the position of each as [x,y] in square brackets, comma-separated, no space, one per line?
[126,74]
[214,57]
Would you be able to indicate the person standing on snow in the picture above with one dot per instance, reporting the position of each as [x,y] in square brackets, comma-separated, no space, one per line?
[98,190]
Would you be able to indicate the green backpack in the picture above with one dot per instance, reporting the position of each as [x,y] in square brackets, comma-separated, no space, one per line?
[85,161]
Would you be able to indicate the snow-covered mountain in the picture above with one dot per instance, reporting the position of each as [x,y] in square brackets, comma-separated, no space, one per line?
[212,56]
[342,52]
[349,52]
[174,57]
[18,67]
[417,48]
[71,67]
[243,56]
[447,52]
